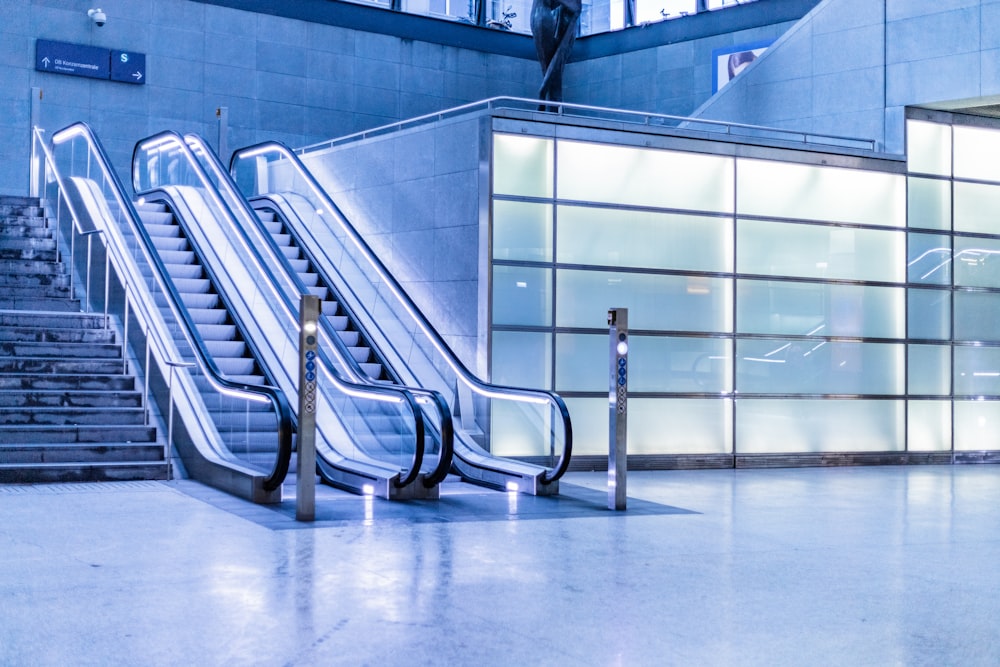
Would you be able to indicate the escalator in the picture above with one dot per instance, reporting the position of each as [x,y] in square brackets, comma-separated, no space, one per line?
[234,429]
[375,437]
[319,250]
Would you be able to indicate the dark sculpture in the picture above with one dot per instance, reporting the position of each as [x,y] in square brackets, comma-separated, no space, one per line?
[554,26]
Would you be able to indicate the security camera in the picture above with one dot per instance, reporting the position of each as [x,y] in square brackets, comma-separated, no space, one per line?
[97,16]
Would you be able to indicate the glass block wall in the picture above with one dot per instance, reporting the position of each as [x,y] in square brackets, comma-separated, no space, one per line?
[775,306]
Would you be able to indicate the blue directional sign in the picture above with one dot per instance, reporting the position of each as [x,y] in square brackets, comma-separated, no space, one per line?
[73,59]
[90,61]
[128,67]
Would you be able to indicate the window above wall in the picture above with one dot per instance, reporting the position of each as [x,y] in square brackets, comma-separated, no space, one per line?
[598,15]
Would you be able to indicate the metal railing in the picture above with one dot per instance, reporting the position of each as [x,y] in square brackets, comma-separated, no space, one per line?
[631,119]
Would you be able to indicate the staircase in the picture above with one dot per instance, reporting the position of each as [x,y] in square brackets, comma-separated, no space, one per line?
[68,409]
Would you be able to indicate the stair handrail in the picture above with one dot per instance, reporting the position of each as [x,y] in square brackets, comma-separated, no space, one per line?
[206,363]
[178,142]
[474,383]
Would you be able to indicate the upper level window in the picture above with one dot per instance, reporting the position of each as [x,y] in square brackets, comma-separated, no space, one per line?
[597,16]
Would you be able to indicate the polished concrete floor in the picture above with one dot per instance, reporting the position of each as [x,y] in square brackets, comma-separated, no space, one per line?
[847,566]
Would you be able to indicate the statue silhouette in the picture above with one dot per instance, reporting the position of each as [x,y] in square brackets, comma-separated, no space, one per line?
[553,26]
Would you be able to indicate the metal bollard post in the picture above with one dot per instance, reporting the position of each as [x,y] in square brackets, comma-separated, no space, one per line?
[618,408]
[305,488]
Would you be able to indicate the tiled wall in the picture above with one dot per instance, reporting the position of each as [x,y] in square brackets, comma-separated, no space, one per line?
[280,78]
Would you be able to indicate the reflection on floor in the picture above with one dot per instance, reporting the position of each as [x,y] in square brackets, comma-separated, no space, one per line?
[859,566]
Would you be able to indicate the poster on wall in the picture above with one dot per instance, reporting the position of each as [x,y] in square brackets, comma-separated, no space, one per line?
[729,61]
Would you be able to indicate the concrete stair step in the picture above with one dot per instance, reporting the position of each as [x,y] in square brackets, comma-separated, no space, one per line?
[54,473]
[16,247]
[9,203]
[11,230]
[27,399]
[34,280]
[61,366]
[114,452]
[31,266]
[49,320]
[88,433]
[60,350]
[25,218]
[34,334]
[58,303]
[45,291]
[76,416]
[66,382]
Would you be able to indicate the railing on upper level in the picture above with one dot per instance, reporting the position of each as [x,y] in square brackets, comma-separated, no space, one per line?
[628,119]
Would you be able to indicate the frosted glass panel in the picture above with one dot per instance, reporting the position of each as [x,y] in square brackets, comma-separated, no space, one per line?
[976,151]
[655,426]
[645,177]
[814,309]
[977,424]
[977,262]
[928,314]
[929,203]
[929,427]
[977,371]
[977,316]
[976,205]
[522,165]
[929,369]
[582,362]
[818,367]
[785,190]
[928,259]
[522,231]
[522,295]
[656,364]
[767,426]
[521,359]
[644,240]
[812,251]
[520,429]
[679,426]
[928,147]
[666,303]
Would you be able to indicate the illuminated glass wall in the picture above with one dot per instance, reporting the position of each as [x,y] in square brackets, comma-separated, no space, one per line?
[775,307]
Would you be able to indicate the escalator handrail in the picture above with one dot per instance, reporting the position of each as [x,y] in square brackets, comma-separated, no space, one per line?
[479,386]
[447,433]
[180,144]
[206,363]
